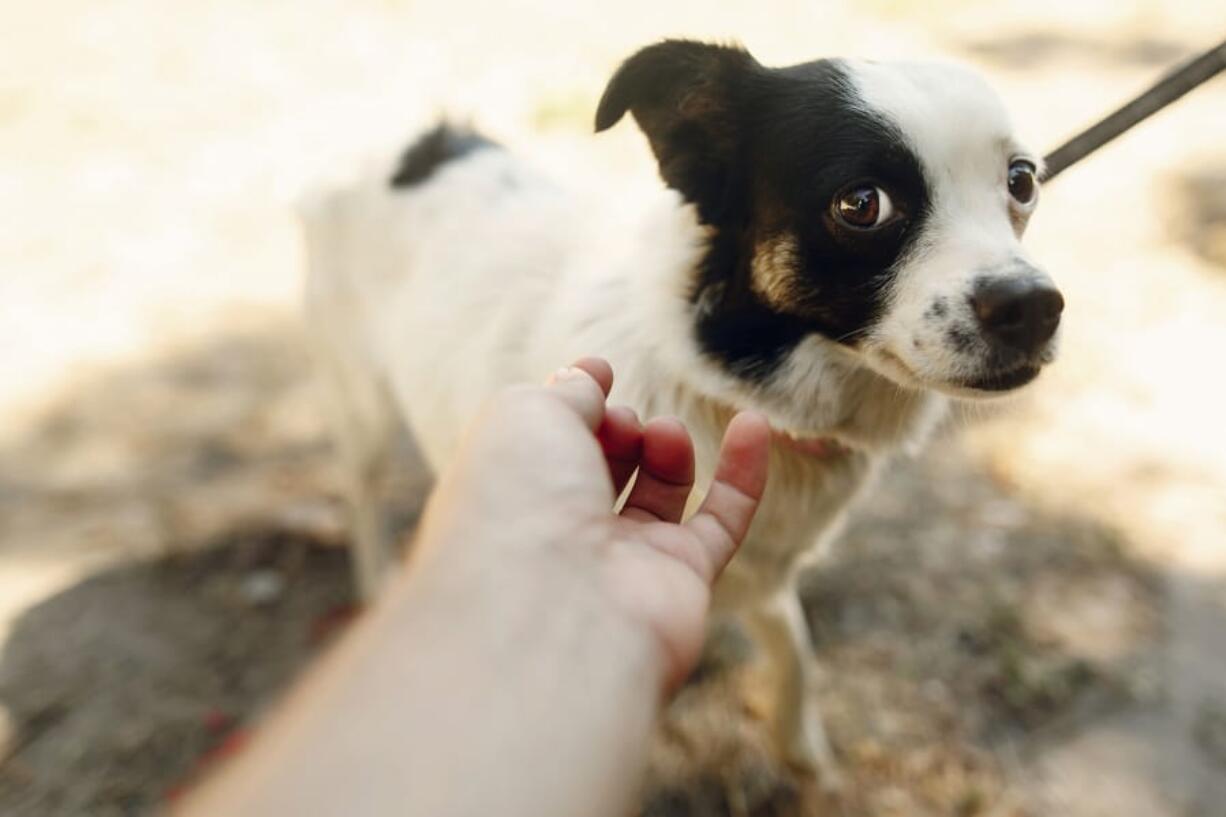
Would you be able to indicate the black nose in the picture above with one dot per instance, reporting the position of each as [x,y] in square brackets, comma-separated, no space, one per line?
[1019,312]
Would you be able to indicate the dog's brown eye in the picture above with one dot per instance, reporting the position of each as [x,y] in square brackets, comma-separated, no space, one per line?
[1023,185]
[863,207]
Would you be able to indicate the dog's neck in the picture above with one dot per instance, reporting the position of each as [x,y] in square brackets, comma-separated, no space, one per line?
[819,390]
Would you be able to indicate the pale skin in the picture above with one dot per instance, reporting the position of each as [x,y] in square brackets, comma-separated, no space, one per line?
[518,664]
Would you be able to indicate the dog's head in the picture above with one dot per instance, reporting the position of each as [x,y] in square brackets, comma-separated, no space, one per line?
[879,206]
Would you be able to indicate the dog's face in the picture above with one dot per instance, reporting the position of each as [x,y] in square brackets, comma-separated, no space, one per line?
[878,206]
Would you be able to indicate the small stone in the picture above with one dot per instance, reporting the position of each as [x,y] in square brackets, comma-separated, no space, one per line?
[8,733]
[321,520]
[260,588]
[1210,731]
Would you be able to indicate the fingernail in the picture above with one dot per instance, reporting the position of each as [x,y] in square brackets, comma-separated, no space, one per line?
[564,373]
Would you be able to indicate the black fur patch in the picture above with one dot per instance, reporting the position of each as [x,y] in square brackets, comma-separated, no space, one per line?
[960,338]
[433,149]
[732,324]
[763,153]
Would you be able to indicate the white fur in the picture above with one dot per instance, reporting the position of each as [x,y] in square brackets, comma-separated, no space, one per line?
[957,126]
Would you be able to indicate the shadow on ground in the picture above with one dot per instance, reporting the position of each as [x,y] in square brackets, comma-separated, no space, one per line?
[125,684]
[960,632]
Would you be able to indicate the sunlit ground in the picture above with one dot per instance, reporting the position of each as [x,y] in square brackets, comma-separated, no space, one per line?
[1039,617]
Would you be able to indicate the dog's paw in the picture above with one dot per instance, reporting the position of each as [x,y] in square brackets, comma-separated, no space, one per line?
[808,752]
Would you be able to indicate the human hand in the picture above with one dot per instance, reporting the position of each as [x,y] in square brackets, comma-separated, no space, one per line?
[535,484]
[535,626]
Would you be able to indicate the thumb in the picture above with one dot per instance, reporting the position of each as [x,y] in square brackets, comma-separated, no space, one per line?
[580,392]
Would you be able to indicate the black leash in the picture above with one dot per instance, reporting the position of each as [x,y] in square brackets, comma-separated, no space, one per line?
[1168,89]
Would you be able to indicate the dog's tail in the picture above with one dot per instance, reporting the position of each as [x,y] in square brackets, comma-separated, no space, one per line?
[442,144]
[416,164]
[345,220]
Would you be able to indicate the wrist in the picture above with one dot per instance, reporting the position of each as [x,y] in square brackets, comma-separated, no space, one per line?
[533,660]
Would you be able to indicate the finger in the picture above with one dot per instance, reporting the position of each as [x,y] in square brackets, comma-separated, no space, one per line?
[740,478]
[666,473]
[581,392]
[621,439]
[599,369]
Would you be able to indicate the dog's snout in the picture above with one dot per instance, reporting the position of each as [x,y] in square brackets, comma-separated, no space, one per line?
[1022,313]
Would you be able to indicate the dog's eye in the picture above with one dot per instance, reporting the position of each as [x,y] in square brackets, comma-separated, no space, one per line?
[863,207]
[1023,185]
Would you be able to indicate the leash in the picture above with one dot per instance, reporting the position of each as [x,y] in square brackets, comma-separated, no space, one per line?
[1174,85]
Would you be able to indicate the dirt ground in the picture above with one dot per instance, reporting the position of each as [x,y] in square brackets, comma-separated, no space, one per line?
[1028,619]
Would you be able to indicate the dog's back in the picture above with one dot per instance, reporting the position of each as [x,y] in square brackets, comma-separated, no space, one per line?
[437,277]
[426,273]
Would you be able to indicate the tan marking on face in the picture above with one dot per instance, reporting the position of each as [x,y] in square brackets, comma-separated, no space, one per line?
[774,271]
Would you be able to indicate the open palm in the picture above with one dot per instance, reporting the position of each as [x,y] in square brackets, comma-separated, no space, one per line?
[656,566]
[562,457]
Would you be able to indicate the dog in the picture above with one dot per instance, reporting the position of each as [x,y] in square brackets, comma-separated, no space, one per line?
[835,244]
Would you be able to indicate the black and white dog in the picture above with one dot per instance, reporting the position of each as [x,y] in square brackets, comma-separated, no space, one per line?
[837,247]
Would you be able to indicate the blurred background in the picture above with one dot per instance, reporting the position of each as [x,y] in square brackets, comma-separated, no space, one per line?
[1029,619]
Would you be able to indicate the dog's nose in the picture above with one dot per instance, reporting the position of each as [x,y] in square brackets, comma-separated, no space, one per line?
[1019,312]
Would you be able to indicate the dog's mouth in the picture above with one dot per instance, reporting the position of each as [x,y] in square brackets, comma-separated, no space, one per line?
[995,381]
[1003,380]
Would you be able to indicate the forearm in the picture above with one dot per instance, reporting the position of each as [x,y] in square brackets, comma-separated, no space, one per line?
[466,694]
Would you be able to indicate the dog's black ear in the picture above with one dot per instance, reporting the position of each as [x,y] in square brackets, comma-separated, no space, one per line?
[686,97]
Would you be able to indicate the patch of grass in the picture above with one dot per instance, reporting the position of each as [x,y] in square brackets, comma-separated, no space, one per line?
[568,110]
[971,803]
[1025,680]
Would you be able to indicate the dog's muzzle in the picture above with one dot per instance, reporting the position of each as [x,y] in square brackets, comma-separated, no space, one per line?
[1017,313]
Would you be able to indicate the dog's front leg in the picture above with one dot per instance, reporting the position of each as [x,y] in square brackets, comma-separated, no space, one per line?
[781,630]
[364,427]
